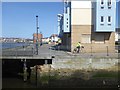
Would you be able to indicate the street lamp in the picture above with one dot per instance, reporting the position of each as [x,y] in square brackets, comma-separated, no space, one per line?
[37,35]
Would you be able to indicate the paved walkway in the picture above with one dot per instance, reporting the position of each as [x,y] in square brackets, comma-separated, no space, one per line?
[45,51]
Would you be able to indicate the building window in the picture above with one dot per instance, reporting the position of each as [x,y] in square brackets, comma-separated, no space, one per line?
[67,26]
[109,24]
[109,4]
[102,2]
[102,19]
[102,7]
[86,38]
[109,19]
[67,22]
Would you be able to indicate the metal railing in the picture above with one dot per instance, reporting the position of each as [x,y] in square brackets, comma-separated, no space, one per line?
[18,52]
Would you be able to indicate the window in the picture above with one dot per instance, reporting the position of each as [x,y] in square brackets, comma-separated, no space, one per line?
[109,3]
[102,7]
[109,24]
[102,2]
[109,19]
[67,22]
[102,19]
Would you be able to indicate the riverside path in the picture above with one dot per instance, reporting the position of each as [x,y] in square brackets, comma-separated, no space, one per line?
[48,51]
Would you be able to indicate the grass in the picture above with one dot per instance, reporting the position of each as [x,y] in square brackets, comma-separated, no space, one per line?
[106,75]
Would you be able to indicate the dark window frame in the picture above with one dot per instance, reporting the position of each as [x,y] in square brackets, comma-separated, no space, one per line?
[102,19]
[109,19]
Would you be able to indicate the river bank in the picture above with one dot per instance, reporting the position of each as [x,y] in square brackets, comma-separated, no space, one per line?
[77,73]
[75,70]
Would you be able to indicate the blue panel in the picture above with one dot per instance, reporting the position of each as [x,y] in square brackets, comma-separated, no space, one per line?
[105,12]
[60,25]
[67,19]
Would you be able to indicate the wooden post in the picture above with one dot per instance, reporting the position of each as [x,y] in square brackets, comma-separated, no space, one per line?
[24,71]
[36,75]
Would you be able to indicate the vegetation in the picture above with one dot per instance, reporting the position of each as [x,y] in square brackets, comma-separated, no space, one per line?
[106,74]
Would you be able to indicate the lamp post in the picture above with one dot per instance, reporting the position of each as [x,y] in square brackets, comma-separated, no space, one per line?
[37,35]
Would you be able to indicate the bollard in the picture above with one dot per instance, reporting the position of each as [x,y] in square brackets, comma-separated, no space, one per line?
[90,63]
[107,51]
[32,51]
[16,52]
[91,51]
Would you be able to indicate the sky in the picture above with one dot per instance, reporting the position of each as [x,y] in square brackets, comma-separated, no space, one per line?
[118,14]
[19,18]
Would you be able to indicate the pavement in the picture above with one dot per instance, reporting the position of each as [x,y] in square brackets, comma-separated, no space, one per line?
[48,51]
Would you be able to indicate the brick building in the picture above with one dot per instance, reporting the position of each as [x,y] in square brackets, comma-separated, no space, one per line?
[40,36]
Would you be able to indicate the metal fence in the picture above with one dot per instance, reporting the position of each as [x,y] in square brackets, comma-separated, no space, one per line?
[18,52]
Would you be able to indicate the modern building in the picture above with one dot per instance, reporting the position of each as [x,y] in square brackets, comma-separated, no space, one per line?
[60,25]
[91,23]
[66,32]
[37,38]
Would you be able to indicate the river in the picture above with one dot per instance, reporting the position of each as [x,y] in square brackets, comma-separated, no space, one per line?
[12,45]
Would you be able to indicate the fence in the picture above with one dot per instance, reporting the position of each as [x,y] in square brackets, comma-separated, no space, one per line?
[18,52]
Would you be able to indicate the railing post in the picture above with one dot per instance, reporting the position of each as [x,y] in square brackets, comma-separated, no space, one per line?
[107,51]
[16,52]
